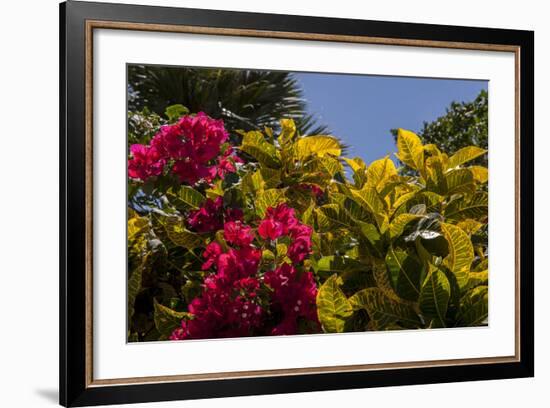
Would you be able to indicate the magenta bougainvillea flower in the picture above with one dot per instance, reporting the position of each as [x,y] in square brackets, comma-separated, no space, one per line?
[208,218]
[242,296]
[146,162]
[294,294]
[237,233]
[193,145]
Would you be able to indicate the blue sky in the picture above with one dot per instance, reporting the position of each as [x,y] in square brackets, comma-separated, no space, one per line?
[362,109]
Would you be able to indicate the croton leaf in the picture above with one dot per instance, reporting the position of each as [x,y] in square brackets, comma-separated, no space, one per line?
[382,310]
[317,145]
[435,295]
[186,197]
[461,252]
[409,149]
[474,307]
[166,319]
[179,235]
[405,272]
[465,155]
[254,144]
[379,172]
[333,307]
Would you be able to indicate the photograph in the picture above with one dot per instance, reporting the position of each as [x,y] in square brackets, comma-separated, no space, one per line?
[269,203]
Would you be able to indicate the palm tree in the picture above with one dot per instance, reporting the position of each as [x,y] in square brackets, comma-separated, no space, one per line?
[244,99]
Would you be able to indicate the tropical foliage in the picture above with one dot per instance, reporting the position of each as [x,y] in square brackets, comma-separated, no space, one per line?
[271,232]
[464,124]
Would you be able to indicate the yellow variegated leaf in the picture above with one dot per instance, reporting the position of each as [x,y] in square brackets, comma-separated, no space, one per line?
[465,155]
[475,207]
[461,252]
[288,131]
[369,199]
[470,226]
[399,223]
[435,170]
[252,182]
[333,308]
[185,197]
[432,149]
[136,225]
[179,235]
[166,319]
[356,164]
[379,172]
[474,307]
[268,198]
[478,278]
[460,181]
[383,310]
[215,190]
[410,149]
[254,144]
[480,173]
[317,145]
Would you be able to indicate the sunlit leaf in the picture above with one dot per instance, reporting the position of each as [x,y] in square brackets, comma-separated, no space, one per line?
[379,172]
[186,197]
[333,308]
[320,146]
[254,144]
[461,252]
[465,155]
[410,150]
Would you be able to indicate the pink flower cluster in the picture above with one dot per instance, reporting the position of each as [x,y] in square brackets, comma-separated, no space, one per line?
[281,221]
[236,301]
[193,145]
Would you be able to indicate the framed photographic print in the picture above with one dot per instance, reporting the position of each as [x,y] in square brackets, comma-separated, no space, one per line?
[255,203]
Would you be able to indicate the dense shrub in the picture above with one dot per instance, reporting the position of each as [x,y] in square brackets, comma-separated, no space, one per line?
[280,234]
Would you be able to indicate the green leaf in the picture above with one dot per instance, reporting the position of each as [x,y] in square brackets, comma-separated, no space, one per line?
[179,235]
[405,271]
[435,295]
[166,319]
[186,197]
[465,155]
[320,146]
[461,252]
[255,145]
[174,112]
[474,307]
[409,149]
[333,308]
[382,310]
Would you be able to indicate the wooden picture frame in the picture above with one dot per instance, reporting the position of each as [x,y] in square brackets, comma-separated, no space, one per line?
[78,20]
